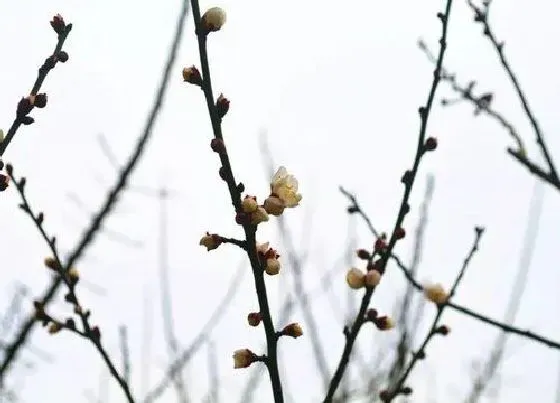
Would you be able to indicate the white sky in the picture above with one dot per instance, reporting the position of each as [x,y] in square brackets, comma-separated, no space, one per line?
[337,89]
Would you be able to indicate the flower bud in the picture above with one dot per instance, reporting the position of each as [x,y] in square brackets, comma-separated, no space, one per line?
[249,204]
[435,293]
[62,56]
[371,314]
[4,182]
[254,318]
[272,266]
[39,100]
[380,244]
[363,254]
[293,329]
[213,19]
[443,330]
[400,233]
[52,263]
[355,278]
[243,358]
[210,241]
[217,145]
[55,327]
[274,205]
[73,275]
[192,75]
[384,323]
[222,106]
[258,216]
[430,144]
[373,277]
[58,24]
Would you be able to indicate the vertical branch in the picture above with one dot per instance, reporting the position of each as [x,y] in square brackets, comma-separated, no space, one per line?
[226,173]
[409,178]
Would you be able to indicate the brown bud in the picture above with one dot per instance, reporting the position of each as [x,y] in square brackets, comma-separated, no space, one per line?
[443,330]
[254,318]
[62,56]
[4,182]
[363,254]
[58,24]
[24,106]
[222,106]
[39,100]
[430,144]
[218,146]
[192,75]
[400,233]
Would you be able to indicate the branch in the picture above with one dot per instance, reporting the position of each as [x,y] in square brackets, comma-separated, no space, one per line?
[397,389]
[111,200]
[70,278]
[216,112]
[408,180]
[27,104]
[481,17]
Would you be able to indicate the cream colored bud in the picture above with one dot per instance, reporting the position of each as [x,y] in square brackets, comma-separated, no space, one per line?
[293,329]
[272,267]
[243,358]
[373,277]
[435,293]
[214,19]
[355,278]
[249,204]
[210,241]
[259,215]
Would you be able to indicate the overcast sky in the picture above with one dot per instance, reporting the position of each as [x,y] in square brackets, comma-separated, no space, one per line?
[336,87]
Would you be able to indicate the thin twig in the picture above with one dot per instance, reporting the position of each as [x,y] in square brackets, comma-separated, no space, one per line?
[111,199]
[482,104]
[481,16]
[424,113]
[49,63]
[396,389]
[88,332]
[460,308]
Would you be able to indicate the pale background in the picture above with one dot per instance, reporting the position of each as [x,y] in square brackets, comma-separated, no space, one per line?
[336,85]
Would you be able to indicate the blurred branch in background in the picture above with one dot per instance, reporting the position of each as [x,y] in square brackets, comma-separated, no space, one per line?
[496,352]
[200,339]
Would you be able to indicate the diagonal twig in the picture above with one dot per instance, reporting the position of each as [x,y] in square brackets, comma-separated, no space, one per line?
[111,200]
